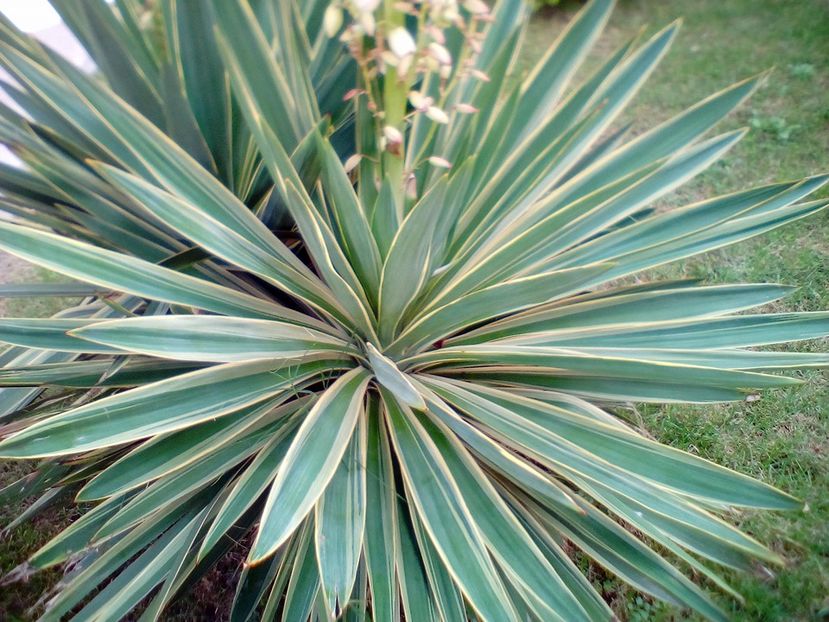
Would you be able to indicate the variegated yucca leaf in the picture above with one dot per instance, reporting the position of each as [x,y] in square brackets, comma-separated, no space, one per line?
[383,358]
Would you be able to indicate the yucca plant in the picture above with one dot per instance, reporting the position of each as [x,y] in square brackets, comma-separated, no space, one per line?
[355,298]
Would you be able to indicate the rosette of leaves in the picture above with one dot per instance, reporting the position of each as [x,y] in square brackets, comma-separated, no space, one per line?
[400,403]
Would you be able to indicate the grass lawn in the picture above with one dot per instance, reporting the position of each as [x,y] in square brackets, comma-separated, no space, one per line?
[782,438]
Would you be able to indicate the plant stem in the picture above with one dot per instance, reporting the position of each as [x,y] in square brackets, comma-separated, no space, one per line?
[394,108]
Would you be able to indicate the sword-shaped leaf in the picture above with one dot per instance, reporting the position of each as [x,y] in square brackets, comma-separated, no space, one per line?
[311,462]
[218,339]
[445,516]
[161,407]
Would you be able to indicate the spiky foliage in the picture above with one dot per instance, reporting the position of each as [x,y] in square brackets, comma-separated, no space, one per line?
[392,381]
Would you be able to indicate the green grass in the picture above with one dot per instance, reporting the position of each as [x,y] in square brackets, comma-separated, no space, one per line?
[782,438]
[31,535]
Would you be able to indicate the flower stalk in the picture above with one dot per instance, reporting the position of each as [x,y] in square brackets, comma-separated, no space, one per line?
[395,92]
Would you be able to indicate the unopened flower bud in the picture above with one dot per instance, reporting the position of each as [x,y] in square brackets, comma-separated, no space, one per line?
[392,139]
[410,187]
[474,44]
[440,53]
[401,42]
[440,162]
[365,6]
[404,65]
[436,34]
[466,108]
[405,7]
[351,94]
[479,75]
[476,7]
[392,134]
[352,162]
[332,20]
[366,21]
[419,101]
[387,58]
[437,115]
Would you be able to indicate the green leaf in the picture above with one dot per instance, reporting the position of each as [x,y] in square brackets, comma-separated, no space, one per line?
[406,269]
[129,274]
[703,333]
[527,420]
[133,584]
[84,374]
[510,465]
[166,406]
[381,520]
[171,488]
[390,376]
[122,60]
[76,537]
[168,522]
[447,598]
[621,553]
[418,603]
[168,453]
[623,307]
[492,302]
[515,552]
[43,290]
[544,86]
[51,334]
[278,265]
[439,503]
[348,215]
[586,364]
[193,49]
[311,461]
[304,585]
[207,338]
[247,489]
[340,518]
[255,73]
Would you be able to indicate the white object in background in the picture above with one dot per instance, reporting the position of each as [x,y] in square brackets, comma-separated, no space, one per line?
[38,18]
[30,15]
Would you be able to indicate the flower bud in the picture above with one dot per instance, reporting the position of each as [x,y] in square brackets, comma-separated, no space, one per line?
[404,65]
[393,139]
[479,75]
[440,162]
[366,21]
[440,53]
[475,44]
[365,6]
[476,7]
[332,20]
[466,108]
[436,33]
[352,162]
[401,42]
[387,58]
[419,101]
[405,7]
[351,94]
[437,115]
[392,134]
[410,187]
